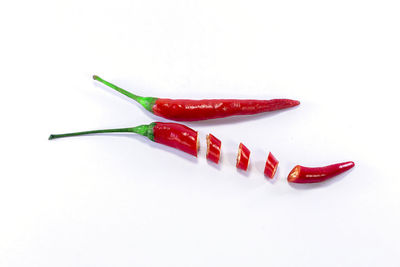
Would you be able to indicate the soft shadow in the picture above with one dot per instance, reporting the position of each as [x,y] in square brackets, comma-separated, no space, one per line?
[247,172]
[260,166]
[321,184]
[231,158]
[214,165]
[154,145]
[273,180]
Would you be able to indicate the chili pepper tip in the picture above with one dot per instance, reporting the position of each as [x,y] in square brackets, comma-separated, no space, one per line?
[301,174]
[51,137]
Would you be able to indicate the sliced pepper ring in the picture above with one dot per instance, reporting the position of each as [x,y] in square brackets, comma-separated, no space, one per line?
[213,148]
[243,157]
[271,165]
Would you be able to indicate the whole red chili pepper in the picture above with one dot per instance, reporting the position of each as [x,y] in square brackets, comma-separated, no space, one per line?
[301,174]
[213,148]
[195,110]
[243,157]
[270,166]
[171,134]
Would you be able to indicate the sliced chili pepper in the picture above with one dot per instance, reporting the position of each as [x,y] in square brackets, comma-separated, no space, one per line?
[195,110]
[301,174]
[213,148]
[243,157]
[170,134]
[270,166]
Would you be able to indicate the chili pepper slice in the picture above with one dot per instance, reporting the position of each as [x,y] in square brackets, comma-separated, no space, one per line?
[213,148]
[195,110]
[301,174]
[170,134]
[243,157]
[271,165]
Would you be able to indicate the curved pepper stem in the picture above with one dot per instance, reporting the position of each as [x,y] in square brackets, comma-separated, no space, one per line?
[146,102]
[145,130]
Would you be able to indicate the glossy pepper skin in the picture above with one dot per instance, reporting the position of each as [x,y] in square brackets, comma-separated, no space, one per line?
[195,110]
[243,157]
[176,135]
[301,174]
[173,135]
[271,165]
[213,148]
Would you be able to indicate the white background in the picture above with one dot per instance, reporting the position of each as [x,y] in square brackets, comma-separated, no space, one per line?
[125,201]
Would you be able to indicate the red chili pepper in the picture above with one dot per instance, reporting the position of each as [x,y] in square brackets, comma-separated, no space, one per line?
[194,110]
[270,166]
[243,157]
[301,174]
[213,148]
[170,134]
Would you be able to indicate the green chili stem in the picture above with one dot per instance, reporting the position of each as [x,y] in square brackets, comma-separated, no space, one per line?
[145,130]
[146,102]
